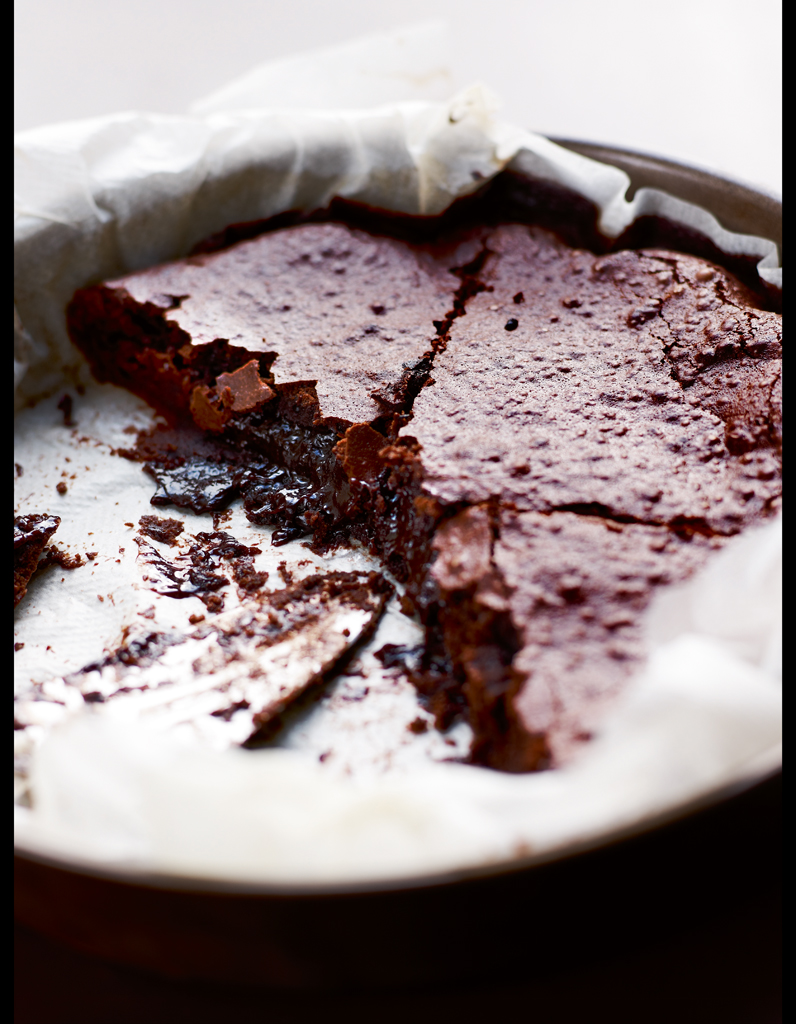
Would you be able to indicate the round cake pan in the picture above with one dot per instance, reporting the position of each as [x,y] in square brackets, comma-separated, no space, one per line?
[527,915]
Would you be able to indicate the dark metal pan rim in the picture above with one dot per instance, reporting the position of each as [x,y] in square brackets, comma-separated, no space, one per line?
[642,157]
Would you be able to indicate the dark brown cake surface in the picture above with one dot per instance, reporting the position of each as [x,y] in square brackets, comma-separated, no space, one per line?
[570,433]
[318,303]
[575,395]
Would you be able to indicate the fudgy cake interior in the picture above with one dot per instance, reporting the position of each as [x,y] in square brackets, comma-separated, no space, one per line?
[31,534]
[534,438]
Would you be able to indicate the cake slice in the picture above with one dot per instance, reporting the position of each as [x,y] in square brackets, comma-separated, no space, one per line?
[275,347]
[338,319]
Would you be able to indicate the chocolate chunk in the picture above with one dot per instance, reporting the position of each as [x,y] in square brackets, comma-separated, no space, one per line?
[198,484]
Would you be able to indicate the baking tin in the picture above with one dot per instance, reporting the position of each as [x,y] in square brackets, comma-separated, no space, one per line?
[545,911]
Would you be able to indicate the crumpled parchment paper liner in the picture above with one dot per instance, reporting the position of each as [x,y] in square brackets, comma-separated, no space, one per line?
[697,717]
[109,195]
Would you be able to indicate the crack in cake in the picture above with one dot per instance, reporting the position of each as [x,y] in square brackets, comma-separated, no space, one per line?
[533,438]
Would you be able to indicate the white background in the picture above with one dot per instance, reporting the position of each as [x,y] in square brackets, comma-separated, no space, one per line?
[696,80]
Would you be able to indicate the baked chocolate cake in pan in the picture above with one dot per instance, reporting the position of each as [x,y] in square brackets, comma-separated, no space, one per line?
[533,437]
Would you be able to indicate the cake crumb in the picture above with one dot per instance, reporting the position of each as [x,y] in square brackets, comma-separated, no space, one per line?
[55,556]
[65,405]
[165,530]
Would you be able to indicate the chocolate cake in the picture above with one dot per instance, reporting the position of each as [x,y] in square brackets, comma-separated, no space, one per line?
[533,437]
[31,534]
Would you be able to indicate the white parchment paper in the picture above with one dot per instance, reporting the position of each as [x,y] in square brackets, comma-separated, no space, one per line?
[110,195]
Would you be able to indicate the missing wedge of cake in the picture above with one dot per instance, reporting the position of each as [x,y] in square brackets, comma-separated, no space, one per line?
[533,438]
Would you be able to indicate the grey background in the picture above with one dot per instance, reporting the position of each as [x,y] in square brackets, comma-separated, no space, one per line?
[695,80]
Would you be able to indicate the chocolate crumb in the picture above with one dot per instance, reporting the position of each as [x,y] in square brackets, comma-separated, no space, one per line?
[18,646]
[512,325]
[196,619]
[418,726]
[164,530]
[246,576]
[221,518]
[227,713]
[53,555]
[61,487]
[400,656]
[65,405]
[518,298]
